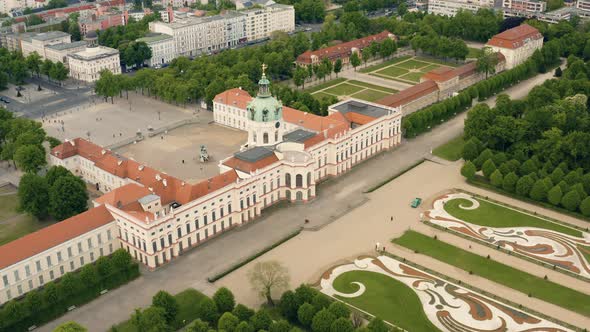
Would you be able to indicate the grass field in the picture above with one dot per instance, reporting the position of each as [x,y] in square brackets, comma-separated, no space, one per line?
[451,150]
[325,85]
[494,215]
[343,89]
[13,224]
[393,71]
[450,63]
[412,64]
[321,95]
[384,64]
[505,275]
[414,77]
[370,95]
[585,251]
[188,303]
[473,52]
[372,86]
[387,299]
[408,70]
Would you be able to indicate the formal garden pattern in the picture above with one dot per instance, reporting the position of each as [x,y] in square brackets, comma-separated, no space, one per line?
[449,307]
[545,241]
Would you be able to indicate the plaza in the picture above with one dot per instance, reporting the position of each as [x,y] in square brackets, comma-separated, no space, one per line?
[177,151]
[407,69]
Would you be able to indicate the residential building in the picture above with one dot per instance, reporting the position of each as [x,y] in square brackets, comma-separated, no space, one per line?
[101,22]
[341,51]
[451,7]
[583,7]
[38,42]
[6,6]
[87,65]
[262,22]
[517,44]
[162,47]
[60,52]
[532,6]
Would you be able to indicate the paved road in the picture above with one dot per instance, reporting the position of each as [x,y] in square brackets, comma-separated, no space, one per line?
[335,199]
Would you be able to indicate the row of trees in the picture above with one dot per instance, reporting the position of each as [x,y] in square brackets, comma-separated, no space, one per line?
[440,46]
[539,181]
[15,68]
[421,121]
[73,288]
[58,194]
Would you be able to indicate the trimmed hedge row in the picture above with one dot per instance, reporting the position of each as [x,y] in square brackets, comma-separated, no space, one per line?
[72,289]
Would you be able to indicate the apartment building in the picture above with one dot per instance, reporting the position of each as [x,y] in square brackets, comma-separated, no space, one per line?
[162,47]
[531,6]
[87,65]
[6,6]
[517,44]
[261,22]
[583,7]
[451,7]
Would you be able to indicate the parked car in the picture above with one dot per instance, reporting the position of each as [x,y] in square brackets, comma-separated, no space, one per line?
[416,202]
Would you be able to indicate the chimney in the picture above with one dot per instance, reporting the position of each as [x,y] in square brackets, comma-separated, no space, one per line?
[158,177]
[165,182]
[119,204]
[140,167]
[209,183]
[103,151]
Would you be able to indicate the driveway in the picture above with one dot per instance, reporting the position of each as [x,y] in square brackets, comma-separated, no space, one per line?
[336,199]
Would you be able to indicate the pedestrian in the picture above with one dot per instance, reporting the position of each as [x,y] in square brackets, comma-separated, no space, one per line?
[383,248]
[183,161]
[162,137]
[391,218]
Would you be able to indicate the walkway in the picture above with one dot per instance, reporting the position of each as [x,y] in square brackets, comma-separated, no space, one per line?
[356,75]
[335,199]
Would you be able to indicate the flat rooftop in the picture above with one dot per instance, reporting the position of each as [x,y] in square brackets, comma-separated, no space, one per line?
[67,46]
[298,136]
[50,35]
[94,53]
[360,107]
[154,37]
[255,154]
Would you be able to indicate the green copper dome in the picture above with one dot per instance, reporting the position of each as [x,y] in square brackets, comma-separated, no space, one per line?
[265,107]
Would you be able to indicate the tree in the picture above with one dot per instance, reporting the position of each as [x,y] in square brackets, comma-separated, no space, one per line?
[244,327]
[289,306]
[320,301]
[167,302]
[322,321]
[496,179]
[539,191]
[227,322]
[488,168]
[279,326]
[585,207]
[67,197]
[305,314]
[59,72]
[304,293]
[261,320]
[470,149]
[299,77]
[524,185]
[387,48]
[198,326]
[56,172]
[487,61]
[268,277]
[30,158]
[355,61]
[152,319]
[509,182]
[341,325]
[558,72]
[242,312]
[377,325]
[339,309]
[468,170]
[208,311]
[46,68]
[337,66]
[554,195]
[224,299]
[70,327]
[34,63]
[56,4]
[33,195]
[571,200]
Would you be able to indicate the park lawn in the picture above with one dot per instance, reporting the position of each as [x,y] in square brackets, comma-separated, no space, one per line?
[412,64]
[392,71]
[473,52]
[495,215]
[414,77]
[451,150]
[384,64]
[343,89]
[370,95]
[8,206]
[325,85]
[20,226]
[321,95]
[497,272]
[386,298]
[585,251]
[372,86]
[450,63]
[429,68]
[188,304]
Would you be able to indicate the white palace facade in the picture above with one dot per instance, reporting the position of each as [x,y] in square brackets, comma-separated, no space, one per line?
[156,217]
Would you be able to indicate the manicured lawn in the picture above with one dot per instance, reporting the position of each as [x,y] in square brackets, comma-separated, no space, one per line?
[8,206]
[412,64]
[451,150]
[387,298]
[372,86]
[414,77]
[393,71]
[585,251]
[384,64]
[325,85]
[321,95]
[370,95]
[473,52]
[450,63]
[505,275]
[188,303]
[429,68]
[494,215]
[343,89]
[14,224]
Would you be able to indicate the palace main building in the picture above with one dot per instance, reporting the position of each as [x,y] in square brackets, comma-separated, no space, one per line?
[156,217]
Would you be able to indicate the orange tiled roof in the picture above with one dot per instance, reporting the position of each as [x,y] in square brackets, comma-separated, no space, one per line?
[343,49]
[124,195]
[51,236]
[410,94]
[515,37]
[247,167]
[234,97]
[358,118]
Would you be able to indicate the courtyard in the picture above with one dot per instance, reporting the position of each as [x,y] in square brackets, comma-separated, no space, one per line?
[177,151]
[106,124]
[344,89]
[406,69]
